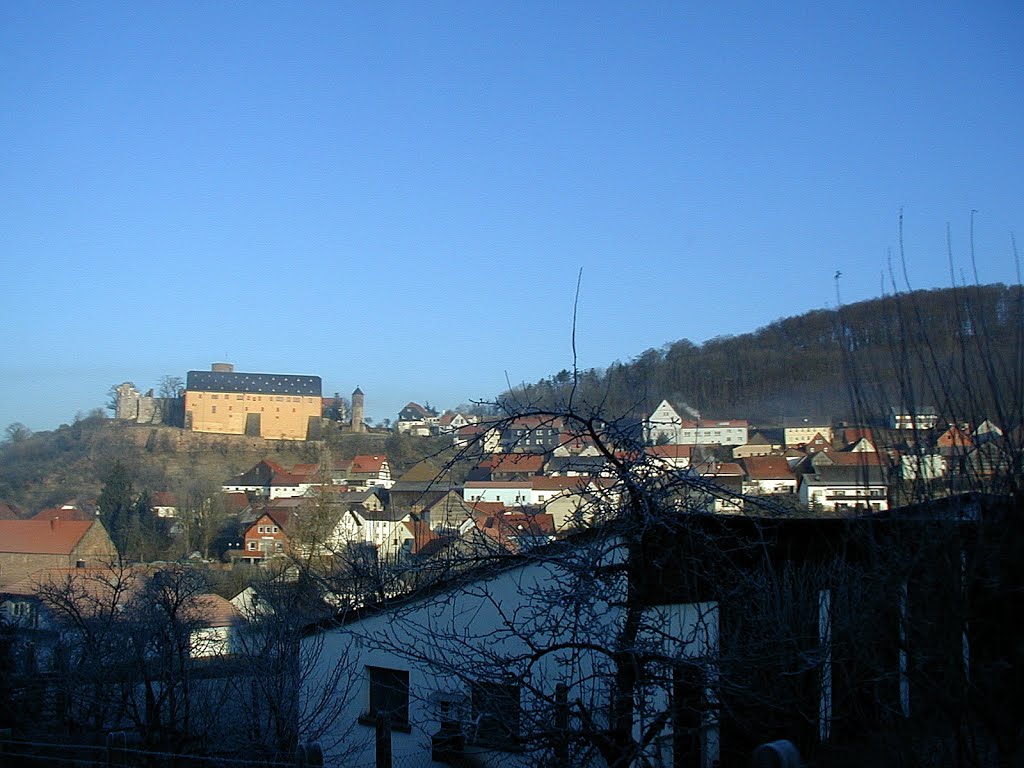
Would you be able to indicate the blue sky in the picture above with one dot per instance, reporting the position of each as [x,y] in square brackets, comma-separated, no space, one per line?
[400,196]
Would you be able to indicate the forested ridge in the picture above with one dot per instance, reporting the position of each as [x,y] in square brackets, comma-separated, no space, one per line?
[883,352]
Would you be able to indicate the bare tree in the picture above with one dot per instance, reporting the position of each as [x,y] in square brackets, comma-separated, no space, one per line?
[16,432]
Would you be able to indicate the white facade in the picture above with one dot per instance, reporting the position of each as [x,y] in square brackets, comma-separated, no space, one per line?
[511,494]
[437,651]
[768,486]
[922,467]
[666,425]
[837,496]
[387,536]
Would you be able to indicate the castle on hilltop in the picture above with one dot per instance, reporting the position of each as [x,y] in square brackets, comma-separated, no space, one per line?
[223,401]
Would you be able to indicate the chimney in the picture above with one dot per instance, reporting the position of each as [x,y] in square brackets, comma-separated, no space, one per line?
[53,523]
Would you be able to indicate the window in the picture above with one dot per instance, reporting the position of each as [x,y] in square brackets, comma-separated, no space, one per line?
[252,545]
[496,711]
[388,694]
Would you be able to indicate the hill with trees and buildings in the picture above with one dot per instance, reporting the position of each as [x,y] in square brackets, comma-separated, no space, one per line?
[811,364]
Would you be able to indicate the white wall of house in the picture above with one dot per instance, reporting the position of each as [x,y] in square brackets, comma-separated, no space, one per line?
[666,425]
[769,486]
[922,467]
[513,494]
[388,536]
[836,497]
[449,641]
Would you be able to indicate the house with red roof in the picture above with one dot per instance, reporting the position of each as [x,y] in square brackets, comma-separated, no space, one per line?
[269,480]
[671,455]
[487,438]
[767,475]
[370,470]
[110,589]
[513,466]
[266,536]
[452,421]
[27,546]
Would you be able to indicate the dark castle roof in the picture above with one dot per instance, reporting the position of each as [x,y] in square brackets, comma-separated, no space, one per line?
[260,383]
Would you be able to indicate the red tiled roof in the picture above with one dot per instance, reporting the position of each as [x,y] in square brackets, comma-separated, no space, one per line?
[164,499]
[670,451]
[721,469]
[511,524]
[768,468]
[235,502]
[558,483]
[515,462]
[498,484]
[43,537]
[487,507]
[279,516]
[365,463]
[215,611]
[855,458]
[88,583]
[60,513]
[283,478]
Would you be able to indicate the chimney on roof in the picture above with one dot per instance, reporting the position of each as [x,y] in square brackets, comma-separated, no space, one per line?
[53,523]
[223,368]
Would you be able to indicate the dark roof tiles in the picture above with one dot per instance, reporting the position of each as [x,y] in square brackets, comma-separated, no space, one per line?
[262,383]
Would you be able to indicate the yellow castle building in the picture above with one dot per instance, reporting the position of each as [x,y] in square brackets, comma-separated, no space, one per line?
[269,405]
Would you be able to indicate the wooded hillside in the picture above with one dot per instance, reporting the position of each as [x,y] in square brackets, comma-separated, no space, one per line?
[882,351]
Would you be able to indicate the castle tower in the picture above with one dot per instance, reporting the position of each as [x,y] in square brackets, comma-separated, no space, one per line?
[358,425]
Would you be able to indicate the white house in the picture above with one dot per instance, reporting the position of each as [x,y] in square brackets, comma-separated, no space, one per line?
[665,425]
[768,475]
[922,466]
[845,487]
[462,661]
[384,529]
[511,493]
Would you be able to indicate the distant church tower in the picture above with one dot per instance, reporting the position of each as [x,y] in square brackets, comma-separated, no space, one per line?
[358,425]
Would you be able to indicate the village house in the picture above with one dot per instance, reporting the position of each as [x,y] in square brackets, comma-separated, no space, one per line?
[918,418]
[799,430]
[384,530]
[269,480]
[666,425]
[767,475]
[671,455]
[416,420]
[266,536]
[758,444]
[27,546]
[844,488]
[420,486]
[212,621]
[370,471]
[451,422]
[485,438]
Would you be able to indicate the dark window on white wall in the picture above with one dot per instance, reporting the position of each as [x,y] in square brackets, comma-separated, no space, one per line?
[496,710]
[389,694]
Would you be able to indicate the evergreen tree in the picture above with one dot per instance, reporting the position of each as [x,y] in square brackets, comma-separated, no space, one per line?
[116,504]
